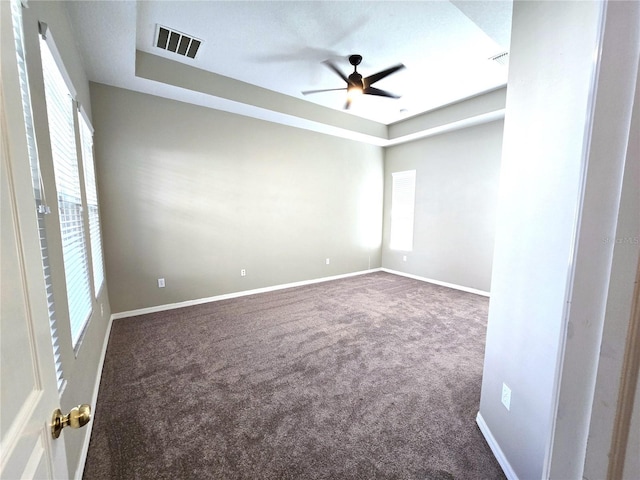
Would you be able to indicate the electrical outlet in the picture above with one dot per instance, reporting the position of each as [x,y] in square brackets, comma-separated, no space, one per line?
[506,396]
[102,309]
[243,273]
[161,283]
[404,258]
[327,261]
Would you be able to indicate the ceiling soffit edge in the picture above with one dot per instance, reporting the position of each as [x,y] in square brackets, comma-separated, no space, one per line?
[160,69]
[249,100]
[481,104]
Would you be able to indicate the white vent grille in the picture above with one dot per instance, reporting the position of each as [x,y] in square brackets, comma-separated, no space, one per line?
[501,58]
[177,42]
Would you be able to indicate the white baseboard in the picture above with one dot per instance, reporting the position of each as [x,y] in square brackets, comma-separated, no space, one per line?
[226,296]
[94,401]
[438,282]
[495,448]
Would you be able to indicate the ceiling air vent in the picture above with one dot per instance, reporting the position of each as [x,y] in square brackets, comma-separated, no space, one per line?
[177,42]
[501,58]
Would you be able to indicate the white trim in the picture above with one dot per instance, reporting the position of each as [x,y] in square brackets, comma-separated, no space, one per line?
[495,448]
[47,37]
[226,296]
[573,254]
[94,400]
[438,282]
[83,113]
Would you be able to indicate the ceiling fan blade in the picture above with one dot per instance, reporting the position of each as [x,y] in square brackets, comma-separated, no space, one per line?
[371,79]
[307,92]
[378,92]
[330,64]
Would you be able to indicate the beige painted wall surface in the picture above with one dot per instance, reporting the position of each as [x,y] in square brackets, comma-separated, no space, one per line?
[457,177]
[195,195]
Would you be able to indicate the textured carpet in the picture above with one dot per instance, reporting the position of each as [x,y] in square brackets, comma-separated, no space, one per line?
[370,377]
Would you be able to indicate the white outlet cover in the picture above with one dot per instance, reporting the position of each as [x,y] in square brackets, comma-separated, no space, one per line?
[161,283]
[506,396]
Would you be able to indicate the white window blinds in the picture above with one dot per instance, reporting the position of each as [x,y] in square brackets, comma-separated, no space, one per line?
[86,139]
[402,210]
[38,191]
[60,111]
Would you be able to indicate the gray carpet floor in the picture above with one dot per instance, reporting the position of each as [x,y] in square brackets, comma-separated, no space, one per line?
[370,377]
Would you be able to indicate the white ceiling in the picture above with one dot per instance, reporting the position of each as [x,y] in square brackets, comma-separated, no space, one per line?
[280,46]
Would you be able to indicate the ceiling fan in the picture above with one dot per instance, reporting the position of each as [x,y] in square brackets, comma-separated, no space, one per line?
[356,84]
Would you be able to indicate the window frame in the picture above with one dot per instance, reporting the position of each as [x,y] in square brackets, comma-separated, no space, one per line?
[91,190]
[80,300]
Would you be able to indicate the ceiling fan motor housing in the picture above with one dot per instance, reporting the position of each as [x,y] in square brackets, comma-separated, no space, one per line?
[355,81]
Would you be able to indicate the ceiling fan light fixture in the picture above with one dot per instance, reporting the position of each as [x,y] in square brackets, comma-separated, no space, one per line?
[355,87]
[354,92]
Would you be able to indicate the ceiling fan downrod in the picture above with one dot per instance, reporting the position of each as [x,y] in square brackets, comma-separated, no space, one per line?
[356,85]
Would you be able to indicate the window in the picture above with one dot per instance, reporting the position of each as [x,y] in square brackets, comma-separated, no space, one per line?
[86,139]
[60,112]
[38,191]
[402,208]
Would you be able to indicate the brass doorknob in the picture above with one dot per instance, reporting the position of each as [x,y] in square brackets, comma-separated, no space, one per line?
[78,417]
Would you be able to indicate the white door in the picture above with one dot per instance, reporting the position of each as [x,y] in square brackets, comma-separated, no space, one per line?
[28,390]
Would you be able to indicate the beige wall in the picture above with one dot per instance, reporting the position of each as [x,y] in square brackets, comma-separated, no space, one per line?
[195,195]
[457,178]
